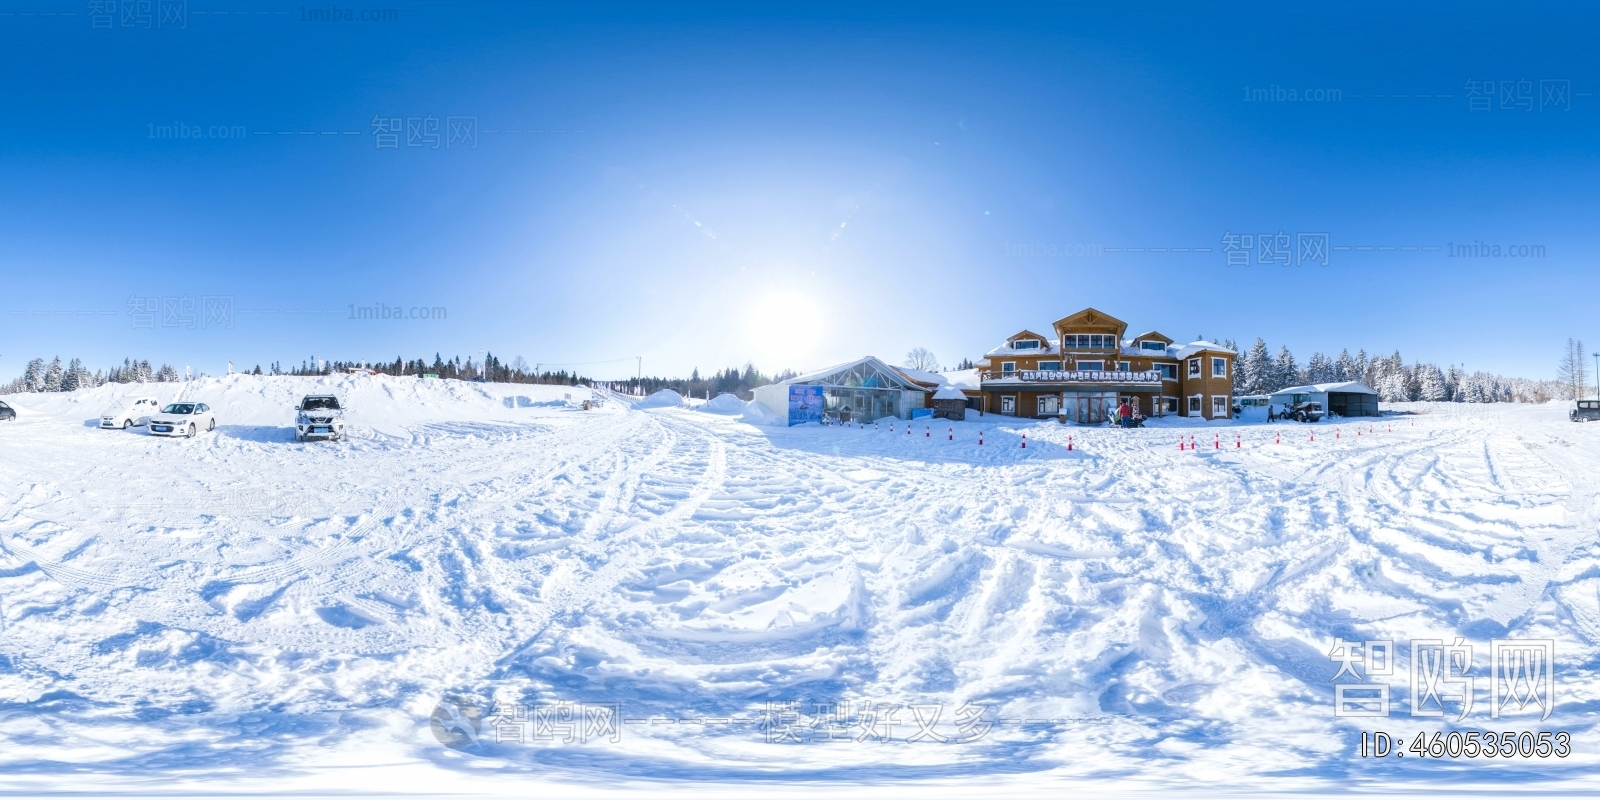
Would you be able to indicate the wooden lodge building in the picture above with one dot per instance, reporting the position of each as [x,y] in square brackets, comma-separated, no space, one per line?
[1089,364]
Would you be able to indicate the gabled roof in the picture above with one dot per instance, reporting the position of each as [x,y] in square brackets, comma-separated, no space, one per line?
[1090,316]
[870,372]
[1046,346]
[1351,387]
[1155,336]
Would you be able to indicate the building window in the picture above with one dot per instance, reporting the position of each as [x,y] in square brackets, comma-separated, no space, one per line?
[1091,366]
[1219,405]
[1123,366]
[1146,344]
[1008,404]
[1083,340]
[1008,367]
[1169,372]
[1194,404]
[1194,367]
[1048,404]
[1025,344]
[1219,367]
[1169,405]
[1049,366]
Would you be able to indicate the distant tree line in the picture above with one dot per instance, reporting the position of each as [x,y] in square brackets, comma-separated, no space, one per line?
[1258,372]
[733,380]
[39,376]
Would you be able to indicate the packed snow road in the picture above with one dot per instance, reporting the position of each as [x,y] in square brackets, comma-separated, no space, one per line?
[577,597]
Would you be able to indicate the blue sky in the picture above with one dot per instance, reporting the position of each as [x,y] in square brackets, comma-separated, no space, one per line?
[708,185]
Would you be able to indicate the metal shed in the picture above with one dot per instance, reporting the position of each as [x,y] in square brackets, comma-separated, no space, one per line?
[1347,399]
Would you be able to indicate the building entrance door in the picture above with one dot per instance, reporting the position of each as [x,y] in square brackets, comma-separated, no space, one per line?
[1089,408]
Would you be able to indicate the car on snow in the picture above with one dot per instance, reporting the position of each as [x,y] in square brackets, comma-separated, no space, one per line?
[183,419]
[1587,411]
[133,413]
[7,413]
[319,416]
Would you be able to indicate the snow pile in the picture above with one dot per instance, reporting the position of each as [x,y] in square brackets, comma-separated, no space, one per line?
[724,404]
[757,414]
[666,398]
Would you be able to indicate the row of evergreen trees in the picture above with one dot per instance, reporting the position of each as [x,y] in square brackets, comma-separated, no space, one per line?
[733,380]
[39,376]
[1258,372]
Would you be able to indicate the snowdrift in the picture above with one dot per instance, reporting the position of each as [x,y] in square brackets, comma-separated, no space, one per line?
[724,404]
[666,398]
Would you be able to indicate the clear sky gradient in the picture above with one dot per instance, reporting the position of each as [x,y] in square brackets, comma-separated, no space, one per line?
[707,185]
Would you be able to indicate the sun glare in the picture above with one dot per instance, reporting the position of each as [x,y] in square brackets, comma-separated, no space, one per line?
[785,328]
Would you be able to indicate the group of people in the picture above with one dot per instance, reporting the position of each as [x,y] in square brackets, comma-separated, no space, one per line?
[1128,415]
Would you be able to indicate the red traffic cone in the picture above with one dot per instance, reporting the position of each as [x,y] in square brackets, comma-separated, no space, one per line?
[1277,438]
[980,437]
[1024,441]
[952,433]
[1237,443]
[908,429]
[1313,436]
[1218,441]
[1335,433]
[927,431]
[1180,444]
[1069,442]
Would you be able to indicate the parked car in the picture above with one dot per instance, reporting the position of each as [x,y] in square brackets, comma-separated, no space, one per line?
[319,416]
[1587,411]
[7,413]
[183,419]
[133,413]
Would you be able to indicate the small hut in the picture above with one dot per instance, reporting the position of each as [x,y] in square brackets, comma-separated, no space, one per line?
[950,403]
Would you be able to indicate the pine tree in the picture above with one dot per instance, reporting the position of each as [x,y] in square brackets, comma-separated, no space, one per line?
[1363,368]
[1285,372]
[33,375]
[1345,368]
[1392,389]
[52,376]
[73,379]
[1430,384]
[1256,367]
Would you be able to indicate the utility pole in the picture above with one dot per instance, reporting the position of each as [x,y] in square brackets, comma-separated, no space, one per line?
[1596,355]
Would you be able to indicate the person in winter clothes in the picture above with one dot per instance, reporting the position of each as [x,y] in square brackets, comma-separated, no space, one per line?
[1125,414]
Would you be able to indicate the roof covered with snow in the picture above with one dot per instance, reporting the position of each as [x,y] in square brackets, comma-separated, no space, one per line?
[964,379]
[949,393]
[869,372]
[1355,387]
[1196,347]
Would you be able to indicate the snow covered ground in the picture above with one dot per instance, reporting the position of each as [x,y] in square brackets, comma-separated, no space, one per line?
[737,605]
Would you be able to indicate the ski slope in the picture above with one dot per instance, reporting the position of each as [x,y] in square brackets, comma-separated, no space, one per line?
[243,610]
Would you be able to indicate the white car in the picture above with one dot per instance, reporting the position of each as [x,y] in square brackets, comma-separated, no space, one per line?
[319,416]
[130,414]
[183,419]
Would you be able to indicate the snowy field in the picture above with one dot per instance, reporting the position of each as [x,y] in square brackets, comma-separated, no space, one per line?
[762,606]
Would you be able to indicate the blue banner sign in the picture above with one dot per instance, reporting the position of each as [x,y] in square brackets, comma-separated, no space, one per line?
[805,404]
